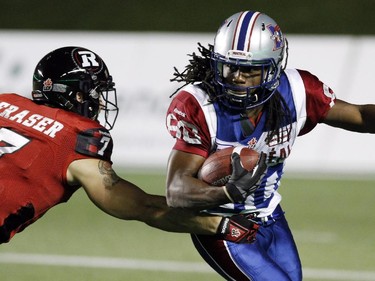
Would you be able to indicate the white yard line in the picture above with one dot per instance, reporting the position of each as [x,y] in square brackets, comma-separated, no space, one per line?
[155,265]
[103,262]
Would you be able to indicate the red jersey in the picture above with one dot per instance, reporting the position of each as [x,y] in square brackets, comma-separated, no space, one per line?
[37,144]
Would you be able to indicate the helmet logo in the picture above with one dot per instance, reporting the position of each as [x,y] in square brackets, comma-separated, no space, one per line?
[47,85]
[276,36]
[87,59]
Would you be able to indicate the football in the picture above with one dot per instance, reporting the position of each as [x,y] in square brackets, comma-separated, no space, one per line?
[217,168]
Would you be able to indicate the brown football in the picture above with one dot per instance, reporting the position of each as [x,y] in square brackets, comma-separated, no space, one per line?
[217,168]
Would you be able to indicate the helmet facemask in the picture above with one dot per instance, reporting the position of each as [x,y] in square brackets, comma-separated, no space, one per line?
[240,97]
[107,108]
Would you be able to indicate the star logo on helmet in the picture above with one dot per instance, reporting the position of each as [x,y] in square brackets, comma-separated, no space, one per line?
[276,36]
[47,85]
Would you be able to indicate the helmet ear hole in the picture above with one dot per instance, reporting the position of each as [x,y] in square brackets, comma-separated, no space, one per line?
[79,97]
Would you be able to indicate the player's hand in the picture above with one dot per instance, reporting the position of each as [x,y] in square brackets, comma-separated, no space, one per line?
[242,182]
[238,229]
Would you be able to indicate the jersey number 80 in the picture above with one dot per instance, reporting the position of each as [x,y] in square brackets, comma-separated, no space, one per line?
[183,130]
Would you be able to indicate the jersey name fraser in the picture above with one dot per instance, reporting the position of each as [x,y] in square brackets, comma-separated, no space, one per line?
[38,122]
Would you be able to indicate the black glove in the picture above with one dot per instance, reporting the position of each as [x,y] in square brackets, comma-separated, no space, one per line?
[237,229]
[242,182]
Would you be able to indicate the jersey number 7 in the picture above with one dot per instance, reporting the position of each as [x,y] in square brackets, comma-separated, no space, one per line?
[11,141]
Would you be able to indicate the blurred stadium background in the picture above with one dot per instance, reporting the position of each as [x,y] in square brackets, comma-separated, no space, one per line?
[308,17]
[329,184]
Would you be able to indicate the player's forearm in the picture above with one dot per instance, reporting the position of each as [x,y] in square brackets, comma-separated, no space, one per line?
[178,219]
[154,211]
[356,118]
[126,201]
[368,117]
[195,194]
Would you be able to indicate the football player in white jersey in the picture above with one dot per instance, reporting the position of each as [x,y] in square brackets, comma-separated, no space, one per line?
[239,92]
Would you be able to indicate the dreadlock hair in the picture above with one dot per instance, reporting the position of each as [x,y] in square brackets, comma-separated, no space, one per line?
[199,70]
[278,116]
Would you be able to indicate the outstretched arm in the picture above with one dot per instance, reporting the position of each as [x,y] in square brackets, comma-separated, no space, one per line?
[357,118]
[124,200]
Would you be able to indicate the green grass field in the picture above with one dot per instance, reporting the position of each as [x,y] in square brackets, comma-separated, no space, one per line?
[332,220]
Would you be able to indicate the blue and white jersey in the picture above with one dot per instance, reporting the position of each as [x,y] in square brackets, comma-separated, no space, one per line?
[202,127]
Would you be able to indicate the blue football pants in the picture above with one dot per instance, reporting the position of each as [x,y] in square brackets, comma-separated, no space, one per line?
[273,256]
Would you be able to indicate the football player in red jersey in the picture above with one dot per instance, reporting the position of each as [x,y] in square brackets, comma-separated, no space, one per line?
[238,92]
[54,144]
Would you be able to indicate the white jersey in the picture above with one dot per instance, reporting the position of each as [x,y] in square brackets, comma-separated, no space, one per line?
[202,127]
